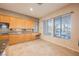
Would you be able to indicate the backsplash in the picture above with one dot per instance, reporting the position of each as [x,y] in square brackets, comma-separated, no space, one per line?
[21,30]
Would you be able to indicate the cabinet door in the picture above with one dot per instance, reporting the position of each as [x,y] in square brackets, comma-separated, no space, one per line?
[20,23]
[28,37]
[13,39]
[29,23]
[17,23]
[4,37]
[1,17]
[13,22]
[24,24]
[4,18]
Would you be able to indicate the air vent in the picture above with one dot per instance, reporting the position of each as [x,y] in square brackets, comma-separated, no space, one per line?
[39,4]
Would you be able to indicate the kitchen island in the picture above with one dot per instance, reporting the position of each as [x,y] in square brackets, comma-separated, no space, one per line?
[19,38]
[15,38]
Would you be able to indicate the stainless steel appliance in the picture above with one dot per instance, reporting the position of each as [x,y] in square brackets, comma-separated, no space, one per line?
[4,28]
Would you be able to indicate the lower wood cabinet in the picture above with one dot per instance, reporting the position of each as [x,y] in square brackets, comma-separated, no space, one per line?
[18,38]
[13,39]
[4,37]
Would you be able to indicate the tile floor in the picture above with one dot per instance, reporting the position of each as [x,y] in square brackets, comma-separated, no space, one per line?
[38,48]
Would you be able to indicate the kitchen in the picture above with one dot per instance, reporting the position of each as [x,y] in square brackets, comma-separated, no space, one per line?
[39,29]
[17,29]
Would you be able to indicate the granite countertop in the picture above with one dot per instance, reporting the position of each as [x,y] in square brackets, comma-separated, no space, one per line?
[18,33]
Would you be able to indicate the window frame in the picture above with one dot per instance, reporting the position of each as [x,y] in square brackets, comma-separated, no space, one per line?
[61,22]
[46,27]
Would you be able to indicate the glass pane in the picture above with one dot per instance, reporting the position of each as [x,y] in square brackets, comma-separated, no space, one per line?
[57,26]
[66,26]
[45,27]
[50,27]
[36,26]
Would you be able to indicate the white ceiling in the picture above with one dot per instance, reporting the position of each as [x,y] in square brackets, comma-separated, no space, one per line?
[38,10]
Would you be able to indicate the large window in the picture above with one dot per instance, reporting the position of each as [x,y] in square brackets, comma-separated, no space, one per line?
[57,26]
[66,26]
[48,27]
[62,26]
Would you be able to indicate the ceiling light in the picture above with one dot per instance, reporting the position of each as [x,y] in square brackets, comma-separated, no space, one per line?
[31,9]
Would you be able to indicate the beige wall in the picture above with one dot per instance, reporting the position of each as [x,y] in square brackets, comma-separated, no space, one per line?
[73,42]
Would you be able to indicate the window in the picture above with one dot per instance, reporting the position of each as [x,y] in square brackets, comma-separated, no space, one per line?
[62,26]
[36,26]
[45,27]
[66,26]
[48,27]
[57,26]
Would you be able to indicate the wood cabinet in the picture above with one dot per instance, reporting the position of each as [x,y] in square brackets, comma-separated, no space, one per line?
[15,22]
[1,17]
[20,23]
[19,38]
[13,39]
[4,18]
[4,37]
[29,23]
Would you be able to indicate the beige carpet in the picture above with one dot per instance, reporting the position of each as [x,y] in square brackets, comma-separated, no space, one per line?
[37,48]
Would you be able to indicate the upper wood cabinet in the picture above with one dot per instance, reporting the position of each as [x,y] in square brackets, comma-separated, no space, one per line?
[4,18]
[15,22]
[1,17]
[29,23]
[20,23]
